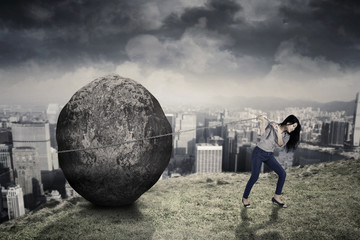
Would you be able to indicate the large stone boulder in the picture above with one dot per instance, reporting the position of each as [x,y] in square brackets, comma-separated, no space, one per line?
[108,111]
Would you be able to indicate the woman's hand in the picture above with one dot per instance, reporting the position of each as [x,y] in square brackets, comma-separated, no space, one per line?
[261,118]
[276,127]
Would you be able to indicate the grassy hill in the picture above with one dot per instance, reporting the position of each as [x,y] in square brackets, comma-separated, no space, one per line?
[323,203]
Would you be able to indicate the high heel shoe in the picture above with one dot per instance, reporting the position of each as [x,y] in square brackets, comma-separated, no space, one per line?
[245,205]
[278,203]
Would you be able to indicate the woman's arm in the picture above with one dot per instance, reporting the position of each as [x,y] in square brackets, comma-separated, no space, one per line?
[262,124]
[280,141]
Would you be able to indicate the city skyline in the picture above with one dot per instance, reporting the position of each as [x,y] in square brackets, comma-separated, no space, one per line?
[194,52]
[226,147]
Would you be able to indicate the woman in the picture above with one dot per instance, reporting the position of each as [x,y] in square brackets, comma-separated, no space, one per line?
[273,135]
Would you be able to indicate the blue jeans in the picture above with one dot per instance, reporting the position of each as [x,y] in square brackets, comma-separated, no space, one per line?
[259,156]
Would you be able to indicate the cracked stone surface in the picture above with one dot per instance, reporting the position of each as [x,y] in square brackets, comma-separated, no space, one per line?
[108,111]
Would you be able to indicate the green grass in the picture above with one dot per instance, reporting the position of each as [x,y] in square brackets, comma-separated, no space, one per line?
[323,203]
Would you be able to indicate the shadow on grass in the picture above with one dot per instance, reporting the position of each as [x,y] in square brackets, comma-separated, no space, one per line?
[88,221]
[247,229]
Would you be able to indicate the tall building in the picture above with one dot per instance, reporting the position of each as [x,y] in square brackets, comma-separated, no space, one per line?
[208,158]
[228,148]
[3,205]
[6,166]
[234,144]
[3,193]
[184,142]
[37,135]
[5,156]
[356,132]
[52,112]
[53,142]
[334,133]
[338,131]
[28,175]
[5,136]
[171,119]
[15,202]
[325,134]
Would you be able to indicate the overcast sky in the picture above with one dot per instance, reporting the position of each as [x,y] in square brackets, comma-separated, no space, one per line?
[181,50]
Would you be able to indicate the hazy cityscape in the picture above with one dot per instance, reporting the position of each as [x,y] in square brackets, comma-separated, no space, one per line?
[213,66]
[205,140]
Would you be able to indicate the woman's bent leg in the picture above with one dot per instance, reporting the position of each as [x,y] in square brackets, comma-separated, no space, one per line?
[256,161]
[275,165]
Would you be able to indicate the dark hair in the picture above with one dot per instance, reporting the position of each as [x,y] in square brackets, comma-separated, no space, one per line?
[294,135]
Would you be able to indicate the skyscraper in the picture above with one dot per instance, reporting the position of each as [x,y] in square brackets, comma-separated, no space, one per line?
[228,148]
[28,175]
[6,166]
[15,202]
[325,134]
[5,156]
[208,158]
[171,119]
[356,132]
[5,136]
[3,193]
[184,142]
[334,133]
[52,112]
[37,135]
[338,132]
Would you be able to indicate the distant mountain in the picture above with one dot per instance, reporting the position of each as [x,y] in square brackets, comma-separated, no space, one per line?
[273,103]
[348,107]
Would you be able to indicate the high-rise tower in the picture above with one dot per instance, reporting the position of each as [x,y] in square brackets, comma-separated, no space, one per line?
[184,142]
[27,175]
[338,133]
[5,156]
[6,165]
[52,112]
[15,202]
[171,119]
[356,132]
[37,135]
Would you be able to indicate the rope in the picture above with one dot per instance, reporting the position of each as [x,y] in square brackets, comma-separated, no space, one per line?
[149,138]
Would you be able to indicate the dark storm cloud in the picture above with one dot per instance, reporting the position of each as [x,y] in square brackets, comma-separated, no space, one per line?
[65,29]
[71,31]
[319,28]
[330,28]
[219,14]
